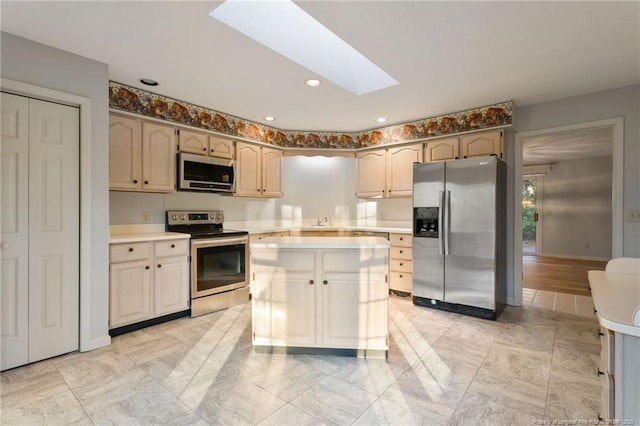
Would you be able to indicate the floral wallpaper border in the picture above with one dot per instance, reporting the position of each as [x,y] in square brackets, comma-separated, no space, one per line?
[130,99]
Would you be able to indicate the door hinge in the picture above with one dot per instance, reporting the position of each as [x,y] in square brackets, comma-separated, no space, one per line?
[385,278]
[176,132]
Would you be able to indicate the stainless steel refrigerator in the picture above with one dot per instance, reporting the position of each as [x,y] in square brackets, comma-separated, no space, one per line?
[459,224]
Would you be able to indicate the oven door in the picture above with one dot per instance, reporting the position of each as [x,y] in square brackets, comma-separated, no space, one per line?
[219,265]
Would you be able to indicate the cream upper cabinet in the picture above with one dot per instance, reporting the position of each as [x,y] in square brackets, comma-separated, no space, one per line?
[141,155]
[158,157]
[387,172]
[193,142]
[442,150]
[271,172]
[125,151]
[219,147]
[471,145]
[371,173]
[481,144]
[400,169]
[258,171]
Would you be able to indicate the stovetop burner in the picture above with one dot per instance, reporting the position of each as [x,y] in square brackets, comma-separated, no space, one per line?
[200,223]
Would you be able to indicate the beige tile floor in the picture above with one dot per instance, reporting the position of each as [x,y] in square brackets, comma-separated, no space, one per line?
[443,368]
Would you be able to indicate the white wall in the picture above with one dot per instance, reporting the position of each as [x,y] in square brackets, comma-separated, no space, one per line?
[33,63]
[576,209]
[313,187]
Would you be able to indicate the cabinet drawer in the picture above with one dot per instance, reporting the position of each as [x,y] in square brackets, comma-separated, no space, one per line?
[401,281]
[400,240]
[401,253]
[130,252]
[368,261]
[401,265]
[172,248]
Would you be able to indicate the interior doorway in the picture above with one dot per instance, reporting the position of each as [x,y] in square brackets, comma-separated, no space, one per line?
[610,228]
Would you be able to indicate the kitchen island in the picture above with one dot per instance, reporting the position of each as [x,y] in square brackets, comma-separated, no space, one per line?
[328,293]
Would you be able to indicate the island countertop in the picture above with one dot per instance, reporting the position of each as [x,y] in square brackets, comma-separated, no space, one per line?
[617,299]
[322,242]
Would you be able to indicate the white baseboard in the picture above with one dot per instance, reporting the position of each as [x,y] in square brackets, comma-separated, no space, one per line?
[96,343]
[565,256]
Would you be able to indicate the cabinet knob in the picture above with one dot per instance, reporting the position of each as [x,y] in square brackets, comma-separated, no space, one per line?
[135,181]
[213,150]
[130,249]
[173,246]
[146,267]
[400,263]
[311,282]
[400,275]
[325,282]
[159,265]
[455,158]
[204,149]
[400,251]
[146,182]
[600,333]
[600,373]
[401,239]
[594,311]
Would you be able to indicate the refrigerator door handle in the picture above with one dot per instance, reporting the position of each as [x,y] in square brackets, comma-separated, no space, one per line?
[447,203]
[440,224]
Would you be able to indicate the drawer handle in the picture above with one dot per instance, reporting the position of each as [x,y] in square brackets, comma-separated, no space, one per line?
[600,333]
[325,282]
[311,282]
[130,249]
[146,267]
[173,246]
[600,373]
[159,265]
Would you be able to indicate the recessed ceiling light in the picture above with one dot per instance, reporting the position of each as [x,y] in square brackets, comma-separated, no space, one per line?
[269,118]
[148,82]
[313,82]
[312,45]
[381,120]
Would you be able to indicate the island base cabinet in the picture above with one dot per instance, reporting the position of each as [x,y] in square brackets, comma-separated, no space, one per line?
[348,323]
[317,298]
[283,310]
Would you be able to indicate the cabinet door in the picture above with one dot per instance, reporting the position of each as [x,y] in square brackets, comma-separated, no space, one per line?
[158,158]
[370,174]
[284,309]
[193,142]
[219,147]
[481,144]
[125,150]
[400,169]
[171,285]
[129,293]
[248,170]
[271,172]
[442,150]
[354,311]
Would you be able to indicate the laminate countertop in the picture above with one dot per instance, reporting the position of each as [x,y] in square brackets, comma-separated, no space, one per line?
[322,242]
[617,300]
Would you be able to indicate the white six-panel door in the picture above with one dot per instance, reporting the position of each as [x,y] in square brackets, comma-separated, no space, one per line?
[40,230]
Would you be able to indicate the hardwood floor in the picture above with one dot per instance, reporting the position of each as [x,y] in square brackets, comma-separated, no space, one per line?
[559,275]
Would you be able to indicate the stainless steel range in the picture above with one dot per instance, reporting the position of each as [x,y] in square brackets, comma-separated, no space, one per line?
[219,260]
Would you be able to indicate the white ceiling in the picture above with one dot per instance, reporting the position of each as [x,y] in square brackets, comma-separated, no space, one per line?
[447,56]
[552,148]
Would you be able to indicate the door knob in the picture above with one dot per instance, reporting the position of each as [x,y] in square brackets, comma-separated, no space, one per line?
[4,245]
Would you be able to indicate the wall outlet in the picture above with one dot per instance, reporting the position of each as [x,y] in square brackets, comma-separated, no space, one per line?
[145,217]
[633,215]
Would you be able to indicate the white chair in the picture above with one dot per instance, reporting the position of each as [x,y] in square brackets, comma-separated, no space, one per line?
[624,265]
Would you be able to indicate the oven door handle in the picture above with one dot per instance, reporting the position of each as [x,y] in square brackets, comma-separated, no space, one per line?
[216,242]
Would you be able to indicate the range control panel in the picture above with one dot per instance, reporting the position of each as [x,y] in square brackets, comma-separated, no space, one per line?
[191,217]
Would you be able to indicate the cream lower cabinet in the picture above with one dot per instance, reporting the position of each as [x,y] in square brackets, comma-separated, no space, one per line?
[387,172]
[147,280]
[258,172]
[401,263]
[323,298]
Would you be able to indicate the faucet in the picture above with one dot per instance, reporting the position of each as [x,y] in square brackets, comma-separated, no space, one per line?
[322,220]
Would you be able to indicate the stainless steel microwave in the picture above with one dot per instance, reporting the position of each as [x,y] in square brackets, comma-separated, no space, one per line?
[200,173]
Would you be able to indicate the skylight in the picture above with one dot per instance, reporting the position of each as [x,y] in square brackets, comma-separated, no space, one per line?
[284,27]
